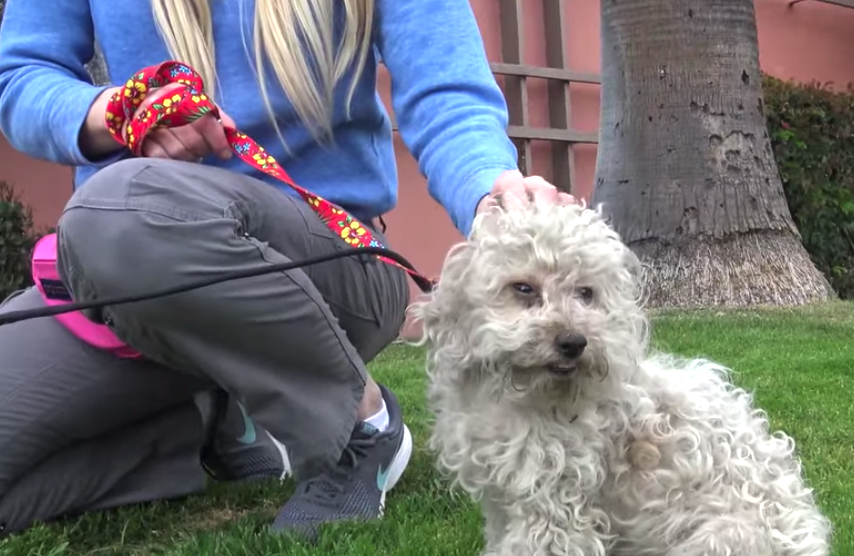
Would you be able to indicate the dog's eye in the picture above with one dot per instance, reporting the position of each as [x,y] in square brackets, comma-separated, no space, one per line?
[585,294]
[524,289]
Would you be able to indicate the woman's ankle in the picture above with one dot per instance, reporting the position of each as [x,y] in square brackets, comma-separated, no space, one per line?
[372,400]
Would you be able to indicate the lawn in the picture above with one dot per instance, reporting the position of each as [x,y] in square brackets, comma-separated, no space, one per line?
[798,362]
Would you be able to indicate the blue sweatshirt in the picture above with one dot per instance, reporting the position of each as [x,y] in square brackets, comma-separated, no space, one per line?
[450,112]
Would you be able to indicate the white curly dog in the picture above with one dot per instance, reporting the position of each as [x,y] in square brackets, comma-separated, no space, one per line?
[550,410]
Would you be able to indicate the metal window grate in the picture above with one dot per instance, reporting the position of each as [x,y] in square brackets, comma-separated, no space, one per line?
[516,74]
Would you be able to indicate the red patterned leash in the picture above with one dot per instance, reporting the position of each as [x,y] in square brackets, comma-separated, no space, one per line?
[182,106]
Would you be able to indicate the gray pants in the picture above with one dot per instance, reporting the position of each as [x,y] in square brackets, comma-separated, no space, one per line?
[81,430]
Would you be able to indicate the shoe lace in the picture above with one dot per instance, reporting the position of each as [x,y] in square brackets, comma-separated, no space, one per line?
[328,486]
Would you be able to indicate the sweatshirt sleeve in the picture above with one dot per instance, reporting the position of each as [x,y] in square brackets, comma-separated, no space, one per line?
[450,111]
[45,91]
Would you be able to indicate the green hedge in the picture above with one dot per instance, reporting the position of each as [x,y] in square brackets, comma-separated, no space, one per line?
[17,238]
[812,133]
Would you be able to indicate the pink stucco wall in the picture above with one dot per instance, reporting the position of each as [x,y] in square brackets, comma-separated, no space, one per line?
[810,41]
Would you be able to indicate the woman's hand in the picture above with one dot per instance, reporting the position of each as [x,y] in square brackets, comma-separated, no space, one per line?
[513,189]
[190,142]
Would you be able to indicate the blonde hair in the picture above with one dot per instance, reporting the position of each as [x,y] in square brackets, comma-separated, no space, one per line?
[295,38]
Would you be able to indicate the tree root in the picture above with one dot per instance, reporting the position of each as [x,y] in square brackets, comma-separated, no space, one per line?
[737,270]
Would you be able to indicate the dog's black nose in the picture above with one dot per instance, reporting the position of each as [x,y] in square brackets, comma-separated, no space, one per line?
[570,344]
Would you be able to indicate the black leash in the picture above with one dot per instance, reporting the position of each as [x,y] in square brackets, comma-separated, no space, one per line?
[16,316]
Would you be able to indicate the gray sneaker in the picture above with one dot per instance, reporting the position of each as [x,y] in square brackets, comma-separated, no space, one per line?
[237,449]
[355,489]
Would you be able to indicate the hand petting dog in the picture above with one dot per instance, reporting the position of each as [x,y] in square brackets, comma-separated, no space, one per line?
[513,190]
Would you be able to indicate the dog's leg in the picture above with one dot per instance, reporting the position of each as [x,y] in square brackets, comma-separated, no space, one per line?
[495,525]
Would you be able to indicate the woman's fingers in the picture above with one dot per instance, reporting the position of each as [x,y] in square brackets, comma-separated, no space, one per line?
[190,142]
[163,143]
[513,190]
[212,134]
[539,190]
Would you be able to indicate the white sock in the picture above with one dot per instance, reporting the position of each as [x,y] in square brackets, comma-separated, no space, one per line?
[379,420]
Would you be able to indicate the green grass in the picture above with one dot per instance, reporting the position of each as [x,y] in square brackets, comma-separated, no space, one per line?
[798,362]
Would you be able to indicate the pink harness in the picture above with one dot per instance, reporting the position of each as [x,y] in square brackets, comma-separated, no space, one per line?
[54,292]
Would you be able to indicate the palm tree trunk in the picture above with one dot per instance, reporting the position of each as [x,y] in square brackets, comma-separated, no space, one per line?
[685,167]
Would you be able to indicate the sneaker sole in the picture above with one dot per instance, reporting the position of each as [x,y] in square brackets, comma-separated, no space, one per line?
[398,466]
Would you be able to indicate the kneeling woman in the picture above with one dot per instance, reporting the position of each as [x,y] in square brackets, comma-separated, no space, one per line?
[82,429]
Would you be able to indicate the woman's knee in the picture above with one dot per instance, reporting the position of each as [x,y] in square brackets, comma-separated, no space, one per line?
[145,219]
[139,239]
[107,189]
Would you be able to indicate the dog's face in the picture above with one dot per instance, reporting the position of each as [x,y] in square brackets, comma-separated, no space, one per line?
[539,296]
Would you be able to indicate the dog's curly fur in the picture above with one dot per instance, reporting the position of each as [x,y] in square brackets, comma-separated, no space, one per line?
[618,451]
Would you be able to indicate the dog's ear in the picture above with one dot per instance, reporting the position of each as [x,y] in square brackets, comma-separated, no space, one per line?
[634,294]
[437,310]
[445,318]
[633,265]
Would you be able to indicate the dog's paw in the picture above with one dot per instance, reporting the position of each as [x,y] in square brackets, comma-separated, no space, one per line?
[644,455]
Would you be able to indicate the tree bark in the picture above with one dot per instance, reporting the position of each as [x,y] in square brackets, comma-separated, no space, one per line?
[685,167]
